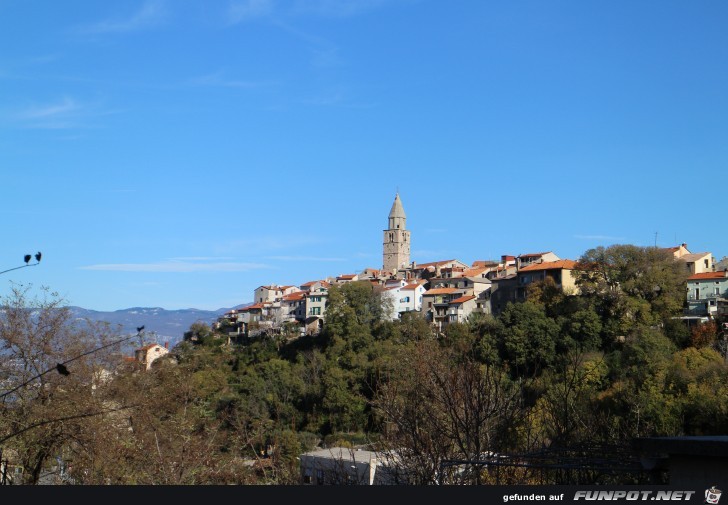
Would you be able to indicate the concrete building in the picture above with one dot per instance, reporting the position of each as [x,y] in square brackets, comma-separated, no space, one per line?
[345,466]
[396,248]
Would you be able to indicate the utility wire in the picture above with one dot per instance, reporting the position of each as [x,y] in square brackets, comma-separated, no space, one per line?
[61,366]
[66,418]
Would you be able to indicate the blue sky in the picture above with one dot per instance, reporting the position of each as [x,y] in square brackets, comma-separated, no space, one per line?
[181,153]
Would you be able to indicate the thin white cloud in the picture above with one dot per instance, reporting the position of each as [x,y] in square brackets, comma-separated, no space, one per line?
[151,13]
[304,258]
[62,114]
[265,244]
[336,99]
[176,267]
[201,258]
[219,80]
[65,107]
[598,237]
[326,58]
[337,8]
[241,11]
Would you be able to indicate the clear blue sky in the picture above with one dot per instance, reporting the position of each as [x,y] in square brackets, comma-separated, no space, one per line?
[180,153]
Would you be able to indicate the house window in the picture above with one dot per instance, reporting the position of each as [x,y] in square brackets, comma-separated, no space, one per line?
[315,311]
[319,477]
[717,291]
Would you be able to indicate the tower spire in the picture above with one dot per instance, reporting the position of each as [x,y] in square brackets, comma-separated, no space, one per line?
[396,238]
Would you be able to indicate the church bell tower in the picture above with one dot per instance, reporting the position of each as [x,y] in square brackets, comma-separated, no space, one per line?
[396,239]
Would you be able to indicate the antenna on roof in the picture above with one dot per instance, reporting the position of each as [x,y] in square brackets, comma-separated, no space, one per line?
[655,239]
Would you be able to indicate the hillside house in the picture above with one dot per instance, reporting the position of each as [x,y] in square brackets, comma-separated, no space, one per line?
[148,354]
[705,292]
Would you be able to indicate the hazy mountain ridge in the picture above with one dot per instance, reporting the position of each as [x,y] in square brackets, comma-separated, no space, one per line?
[160,325]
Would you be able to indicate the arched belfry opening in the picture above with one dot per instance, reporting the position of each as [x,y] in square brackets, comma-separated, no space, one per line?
[396,253]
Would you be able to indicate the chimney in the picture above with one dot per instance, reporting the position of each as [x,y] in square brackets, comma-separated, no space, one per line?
[166,345]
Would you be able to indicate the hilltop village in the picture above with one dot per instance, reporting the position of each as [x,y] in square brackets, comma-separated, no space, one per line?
[449,291]
[533,369]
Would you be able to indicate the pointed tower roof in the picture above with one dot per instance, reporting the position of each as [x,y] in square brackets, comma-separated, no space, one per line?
[397,209]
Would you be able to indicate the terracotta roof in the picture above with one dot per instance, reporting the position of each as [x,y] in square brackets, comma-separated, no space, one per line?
[286,287]
[432,264]
[441,291]
[462,299]
[346,276]
[294,296]
[472,272]
[708,275]
[254,306]
[411,286]
[311,283]
[483,263]
[550,265]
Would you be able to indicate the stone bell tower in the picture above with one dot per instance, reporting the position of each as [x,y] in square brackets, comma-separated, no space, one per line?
[396,239]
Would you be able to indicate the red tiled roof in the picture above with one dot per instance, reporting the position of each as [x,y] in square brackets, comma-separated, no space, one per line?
[346,276]
[410,287]
[432,264]
[472,272]
[483,263]
[550,265]
[462,299]
[708,275]
[441,291]
[294,296]
[250,307]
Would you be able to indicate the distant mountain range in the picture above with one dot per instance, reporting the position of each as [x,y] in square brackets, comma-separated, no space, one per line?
[160,325]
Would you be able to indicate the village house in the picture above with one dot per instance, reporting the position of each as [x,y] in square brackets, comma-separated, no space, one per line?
[706,291]
[148,354]
[315,309]
[560,272]
[404,298]
[525,260]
